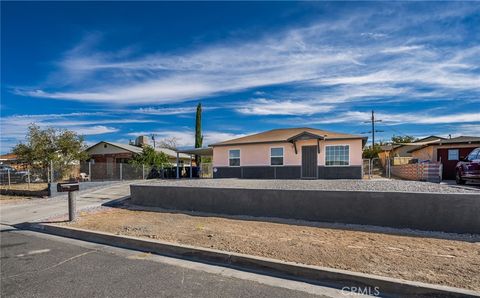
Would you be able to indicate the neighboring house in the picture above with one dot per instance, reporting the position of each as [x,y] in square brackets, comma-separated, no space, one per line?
[446,151]
[291,153]
[106,156]
[11,160]
[402,151]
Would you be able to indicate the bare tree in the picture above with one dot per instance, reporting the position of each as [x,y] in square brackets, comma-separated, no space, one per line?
[170,143]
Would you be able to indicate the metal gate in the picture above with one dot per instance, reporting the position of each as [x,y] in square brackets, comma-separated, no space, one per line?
[309,162]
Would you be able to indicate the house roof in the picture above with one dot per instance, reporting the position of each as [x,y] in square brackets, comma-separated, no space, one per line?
[8,156]
[289,134]
[460,140]
[126,147]
[204,151]
[421,142]
[134,149]
[172,153]
[457,140]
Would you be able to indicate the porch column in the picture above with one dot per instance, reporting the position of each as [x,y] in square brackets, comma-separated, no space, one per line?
[178,173]
[191,168]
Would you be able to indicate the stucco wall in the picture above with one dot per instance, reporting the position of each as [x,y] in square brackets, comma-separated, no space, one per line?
[259,154]
[452,212]
[430,152]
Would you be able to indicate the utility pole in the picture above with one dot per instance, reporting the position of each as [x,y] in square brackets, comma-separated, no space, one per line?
[373,131]
[153,139]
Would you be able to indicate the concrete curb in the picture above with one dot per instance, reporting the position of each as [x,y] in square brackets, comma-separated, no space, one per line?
[336,278]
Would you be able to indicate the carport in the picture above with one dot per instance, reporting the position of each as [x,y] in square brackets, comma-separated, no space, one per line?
[205,151]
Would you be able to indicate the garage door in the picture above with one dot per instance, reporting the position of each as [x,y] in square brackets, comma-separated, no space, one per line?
[449,158]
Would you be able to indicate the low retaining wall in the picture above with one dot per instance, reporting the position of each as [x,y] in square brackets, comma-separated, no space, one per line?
[457,213]
[431,172]
[286,172]
[24,192]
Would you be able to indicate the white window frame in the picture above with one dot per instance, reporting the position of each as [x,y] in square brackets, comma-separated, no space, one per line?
[240,157]
[283,156]
[349,155]
[458,154]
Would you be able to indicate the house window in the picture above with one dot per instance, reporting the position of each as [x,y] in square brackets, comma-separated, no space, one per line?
[453,154]
[234,158]
[276,156]
[337,155]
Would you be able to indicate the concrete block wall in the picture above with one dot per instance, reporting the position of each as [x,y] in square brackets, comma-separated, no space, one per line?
[453,212]
[431,172]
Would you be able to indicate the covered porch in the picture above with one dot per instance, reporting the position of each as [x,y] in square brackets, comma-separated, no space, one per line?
[204,170]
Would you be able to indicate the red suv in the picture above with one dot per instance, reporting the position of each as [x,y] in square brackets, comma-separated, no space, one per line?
[469,168]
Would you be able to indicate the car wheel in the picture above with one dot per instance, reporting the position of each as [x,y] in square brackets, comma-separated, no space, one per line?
[458,178]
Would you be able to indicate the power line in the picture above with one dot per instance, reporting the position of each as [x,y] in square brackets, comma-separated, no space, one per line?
[373,131]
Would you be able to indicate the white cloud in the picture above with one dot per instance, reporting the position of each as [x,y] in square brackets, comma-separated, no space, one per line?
[14,128]
[263,106]
[165,111]
[405,118]
[323,54]
[467,130]
[186,138]
[401,49]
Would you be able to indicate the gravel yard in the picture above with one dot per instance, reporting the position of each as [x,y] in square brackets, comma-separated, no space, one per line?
[344,185]
[438,258]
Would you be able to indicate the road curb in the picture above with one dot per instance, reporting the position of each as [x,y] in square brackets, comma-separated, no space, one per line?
[336,278]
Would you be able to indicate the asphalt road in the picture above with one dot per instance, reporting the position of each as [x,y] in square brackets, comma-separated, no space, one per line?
[39,265]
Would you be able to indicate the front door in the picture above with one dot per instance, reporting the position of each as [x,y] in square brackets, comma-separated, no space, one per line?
[309,162]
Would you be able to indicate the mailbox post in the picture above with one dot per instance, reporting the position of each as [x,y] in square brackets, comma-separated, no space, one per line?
[72,189]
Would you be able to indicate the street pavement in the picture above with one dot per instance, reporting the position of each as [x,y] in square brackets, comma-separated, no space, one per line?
[41,265]
[35,264]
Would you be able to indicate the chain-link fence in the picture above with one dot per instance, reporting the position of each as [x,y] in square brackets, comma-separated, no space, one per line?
[22,177]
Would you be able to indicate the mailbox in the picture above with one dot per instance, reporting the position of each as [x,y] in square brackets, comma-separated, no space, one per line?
[64,187]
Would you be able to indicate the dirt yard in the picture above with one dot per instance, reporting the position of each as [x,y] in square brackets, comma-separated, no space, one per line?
[411,256]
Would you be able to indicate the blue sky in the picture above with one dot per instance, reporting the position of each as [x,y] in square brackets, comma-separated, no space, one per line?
[116,70]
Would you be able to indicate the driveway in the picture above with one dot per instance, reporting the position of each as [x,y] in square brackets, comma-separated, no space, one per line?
[37,209]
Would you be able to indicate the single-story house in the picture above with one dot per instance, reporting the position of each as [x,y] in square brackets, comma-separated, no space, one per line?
[11,159]
[446,151]
[401,152]
[107,155]
[290,153]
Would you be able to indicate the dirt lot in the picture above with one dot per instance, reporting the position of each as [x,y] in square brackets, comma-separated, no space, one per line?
[412,256]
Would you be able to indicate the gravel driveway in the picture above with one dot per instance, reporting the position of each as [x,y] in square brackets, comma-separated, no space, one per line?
[343,185]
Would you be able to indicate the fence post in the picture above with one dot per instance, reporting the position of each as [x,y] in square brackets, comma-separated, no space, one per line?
[143,171]
[51,172]
[370,163]
[28,178]
[121,171]
[389,168]
[90,170]
[8,174]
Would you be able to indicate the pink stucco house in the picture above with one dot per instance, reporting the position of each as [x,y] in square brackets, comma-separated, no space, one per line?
[291,153]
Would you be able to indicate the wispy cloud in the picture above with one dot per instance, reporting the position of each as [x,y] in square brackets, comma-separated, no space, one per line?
[186,137]
[333,54]
[401,118]
[14,127]
[263,106]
